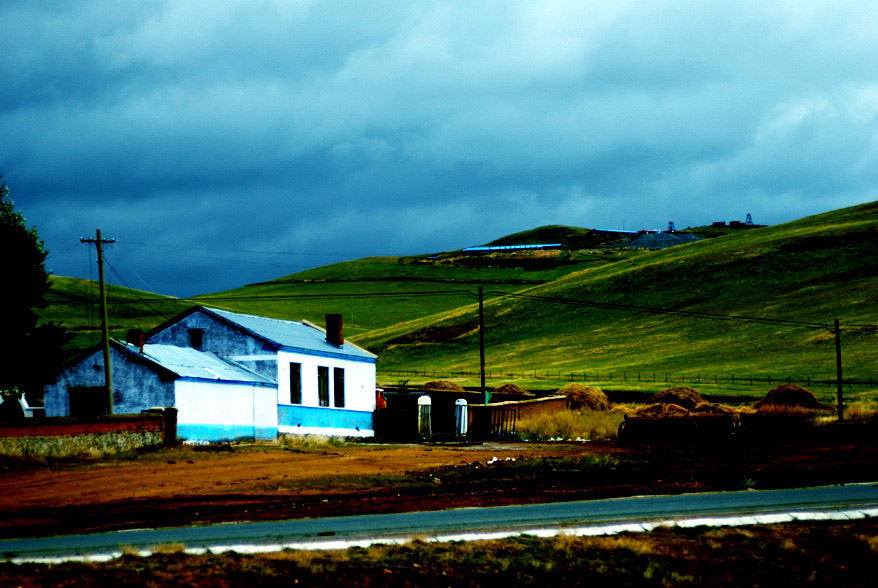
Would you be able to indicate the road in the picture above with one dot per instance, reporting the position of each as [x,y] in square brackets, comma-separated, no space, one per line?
[583,517]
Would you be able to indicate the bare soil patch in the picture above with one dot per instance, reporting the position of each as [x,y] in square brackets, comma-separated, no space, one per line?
[189,485]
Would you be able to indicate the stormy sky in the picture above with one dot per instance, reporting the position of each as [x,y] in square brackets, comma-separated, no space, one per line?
[223,143]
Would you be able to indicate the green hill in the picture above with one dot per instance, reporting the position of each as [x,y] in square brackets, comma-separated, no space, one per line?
[74,303]
[378,292]
[647,314]
[753,303]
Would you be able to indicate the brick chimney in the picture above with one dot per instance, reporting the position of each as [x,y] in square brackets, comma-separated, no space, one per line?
[334,329]
[135,337]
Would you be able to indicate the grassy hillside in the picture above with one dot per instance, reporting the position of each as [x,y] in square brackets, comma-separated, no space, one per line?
[74,303]
[636,315]
[570,237]
[378,292]
[810,271]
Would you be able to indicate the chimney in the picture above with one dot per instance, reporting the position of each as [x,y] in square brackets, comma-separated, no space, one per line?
[135,337]
[334,329]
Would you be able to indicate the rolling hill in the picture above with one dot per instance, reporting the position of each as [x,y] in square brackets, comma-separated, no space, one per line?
[751,303]
[667,311]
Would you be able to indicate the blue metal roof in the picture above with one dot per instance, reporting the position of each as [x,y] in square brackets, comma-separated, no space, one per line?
[194,364]
[512,247]
[294,335]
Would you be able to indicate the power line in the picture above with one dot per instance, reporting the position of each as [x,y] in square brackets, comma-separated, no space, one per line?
[207,299]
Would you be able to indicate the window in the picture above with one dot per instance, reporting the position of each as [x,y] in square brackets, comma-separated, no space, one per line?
[338,387]
[295,383]
[88,400]
[323,385]
[196,338]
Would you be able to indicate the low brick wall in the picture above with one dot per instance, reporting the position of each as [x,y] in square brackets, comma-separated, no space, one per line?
[150,422]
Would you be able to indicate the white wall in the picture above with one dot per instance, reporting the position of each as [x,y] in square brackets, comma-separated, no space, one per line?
[359,379]
[212,411]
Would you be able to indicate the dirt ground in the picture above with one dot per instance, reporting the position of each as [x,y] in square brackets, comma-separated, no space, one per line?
[190,485]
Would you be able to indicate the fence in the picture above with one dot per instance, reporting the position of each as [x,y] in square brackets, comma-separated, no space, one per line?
[644,377]
[164,422]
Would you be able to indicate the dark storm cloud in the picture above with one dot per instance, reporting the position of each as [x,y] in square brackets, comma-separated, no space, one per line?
[345,129]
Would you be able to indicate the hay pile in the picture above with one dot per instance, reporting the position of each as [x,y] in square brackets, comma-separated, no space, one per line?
[510,389]
[661,410]
[712,409]
[790,398]
[683,396]
[443,386]
[580,396]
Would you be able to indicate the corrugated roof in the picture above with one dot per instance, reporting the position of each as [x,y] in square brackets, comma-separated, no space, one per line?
[293,335]
[196,364]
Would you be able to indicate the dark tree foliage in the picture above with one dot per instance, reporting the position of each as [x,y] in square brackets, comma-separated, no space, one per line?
[30,354]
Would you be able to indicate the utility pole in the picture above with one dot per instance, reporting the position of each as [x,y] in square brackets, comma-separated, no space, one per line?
[105,331]
[485,392]
[838,370]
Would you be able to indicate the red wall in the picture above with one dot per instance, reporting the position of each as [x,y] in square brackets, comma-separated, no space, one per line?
[71,426]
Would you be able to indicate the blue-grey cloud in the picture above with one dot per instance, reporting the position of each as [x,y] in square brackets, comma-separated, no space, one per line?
[345,129]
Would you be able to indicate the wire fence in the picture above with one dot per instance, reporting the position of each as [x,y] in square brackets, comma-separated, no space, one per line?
[732,380]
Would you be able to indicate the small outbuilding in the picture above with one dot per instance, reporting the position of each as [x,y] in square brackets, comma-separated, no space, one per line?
[216,400]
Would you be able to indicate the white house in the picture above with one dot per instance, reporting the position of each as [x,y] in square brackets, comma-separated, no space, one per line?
[325,384]
[320,383]
[216,399]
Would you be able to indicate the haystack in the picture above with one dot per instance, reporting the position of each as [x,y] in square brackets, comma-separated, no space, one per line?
[580,396]
[510,389]
[683,396]
[662,410]
[790,397]
[442,385]
[711,409]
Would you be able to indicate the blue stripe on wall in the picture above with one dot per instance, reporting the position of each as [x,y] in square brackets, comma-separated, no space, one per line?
[223,432]
[328,418]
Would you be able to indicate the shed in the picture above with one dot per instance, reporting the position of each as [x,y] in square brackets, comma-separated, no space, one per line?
[216,399]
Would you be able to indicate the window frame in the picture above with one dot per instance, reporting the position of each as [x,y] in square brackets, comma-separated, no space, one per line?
[295,382]
[338,387]
[322,386]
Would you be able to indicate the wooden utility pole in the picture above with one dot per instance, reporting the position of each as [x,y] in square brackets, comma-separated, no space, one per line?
[482,345]
[105,330]
[838,370]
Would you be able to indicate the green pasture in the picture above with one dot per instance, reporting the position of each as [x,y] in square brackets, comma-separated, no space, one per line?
[807,273]
[757,303]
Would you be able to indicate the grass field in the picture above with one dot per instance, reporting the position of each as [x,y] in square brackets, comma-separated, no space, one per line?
[754,303]
[669,311]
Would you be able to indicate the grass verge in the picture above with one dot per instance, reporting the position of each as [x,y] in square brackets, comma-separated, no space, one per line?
[814,554]
[571,425]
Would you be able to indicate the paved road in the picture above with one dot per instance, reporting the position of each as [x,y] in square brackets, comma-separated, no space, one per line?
[619,513]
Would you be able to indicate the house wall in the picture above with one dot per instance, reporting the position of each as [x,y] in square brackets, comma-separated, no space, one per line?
[135,387]
[209,411]
[223,340]
[353,419]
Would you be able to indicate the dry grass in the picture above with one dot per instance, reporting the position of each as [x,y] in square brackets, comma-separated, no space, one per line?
[790,398]
[309,443]
[837,554]
[580,396]
[511,389]
[444,385]
[571,425]
[864,410]
[683,396]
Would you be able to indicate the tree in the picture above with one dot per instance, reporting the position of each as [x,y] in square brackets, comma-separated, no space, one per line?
[30,353]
